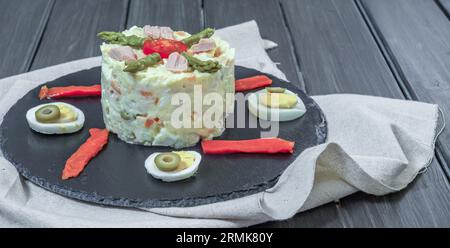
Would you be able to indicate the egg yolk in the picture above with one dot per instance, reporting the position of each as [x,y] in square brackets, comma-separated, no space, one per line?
[278,100]
[66,114]
[187,160]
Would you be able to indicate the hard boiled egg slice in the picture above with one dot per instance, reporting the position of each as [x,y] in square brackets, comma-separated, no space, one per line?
[71,119]
[189,163]
[257,108]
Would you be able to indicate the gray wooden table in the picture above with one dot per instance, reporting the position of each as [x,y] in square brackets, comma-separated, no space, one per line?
[392,48]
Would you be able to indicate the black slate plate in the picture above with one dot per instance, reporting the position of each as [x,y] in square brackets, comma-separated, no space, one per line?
[117,175]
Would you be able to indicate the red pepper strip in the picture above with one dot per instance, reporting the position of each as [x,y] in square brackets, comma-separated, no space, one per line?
[149,122]
[70,91]
[251,83]
[89,149]
[265,145]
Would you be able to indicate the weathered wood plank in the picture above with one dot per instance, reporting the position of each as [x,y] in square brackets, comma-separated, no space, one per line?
[419,43]
[72,28]
[324,216]
[178,14]
[22,25]
[336,50]
[271,24]
[338,54]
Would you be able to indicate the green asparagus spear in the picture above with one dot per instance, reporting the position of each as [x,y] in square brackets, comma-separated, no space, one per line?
[209,66]
[121,39]
[195,38]
[141,64]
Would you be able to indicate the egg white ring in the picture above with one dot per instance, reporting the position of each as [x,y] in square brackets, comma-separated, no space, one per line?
[55,128]
[172,176]
[269,114]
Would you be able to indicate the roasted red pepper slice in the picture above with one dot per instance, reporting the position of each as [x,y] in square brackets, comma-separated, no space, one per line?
[89,149]
[69,91]
[264,145]
[251,83]
[164,47]
[149,122]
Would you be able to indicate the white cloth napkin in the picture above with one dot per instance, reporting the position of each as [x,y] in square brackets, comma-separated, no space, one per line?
[376,145]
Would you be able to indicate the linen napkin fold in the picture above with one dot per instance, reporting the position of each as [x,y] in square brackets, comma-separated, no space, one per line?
[375,145]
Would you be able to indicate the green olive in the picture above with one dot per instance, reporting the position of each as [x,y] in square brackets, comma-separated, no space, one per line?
[275,89]
[48,113]
[127,116]
[167,161]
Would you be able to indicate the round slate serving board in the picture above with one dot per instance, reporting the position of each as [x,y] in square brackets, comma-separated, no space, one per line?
[117,175]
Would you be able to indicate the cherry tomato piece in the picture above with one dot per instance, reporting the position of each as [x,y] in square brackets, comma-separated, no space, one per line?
[164,47]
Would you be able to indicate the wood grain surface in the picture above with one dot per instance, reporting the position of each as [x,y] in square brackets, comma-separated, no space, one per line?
[23,23]
[72,28]
[268,15]
[178,14]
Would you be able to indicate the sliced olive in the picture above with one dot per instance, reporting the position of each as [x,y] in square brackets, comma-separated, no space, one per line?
[48,113]
[127,116]
[275,89]
[167,161]
[132,136]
